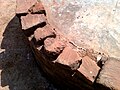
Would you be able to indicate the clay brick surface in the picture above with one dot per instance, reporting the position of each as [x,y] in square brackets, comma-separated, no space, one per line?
[89,68]
[54,46]
[36,8]
[68,56]
[42,33]
[31,20]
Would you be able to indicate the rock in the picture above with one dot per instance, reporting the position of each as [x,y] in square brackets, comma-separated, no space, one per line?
[68,56]
[24,5]
[37,8]
[49,41]
[53,47]
[31,20]
[43,33]
[109,75]
[89,68]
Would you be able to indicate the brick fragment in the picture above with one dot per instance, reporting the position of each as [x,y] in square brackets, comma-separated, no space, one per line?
[43,33]
[31,20]
[68,56]
[37,8]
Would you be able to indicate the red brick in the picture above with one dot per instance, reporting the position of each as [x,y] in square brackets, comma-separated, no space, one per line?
[89,68]
[36,8]
[42,33]
[68,56]
[31,20]
[54,46]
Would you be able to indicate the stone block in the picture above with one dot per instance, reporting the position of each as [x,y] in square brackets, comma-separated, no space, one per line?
[54,46]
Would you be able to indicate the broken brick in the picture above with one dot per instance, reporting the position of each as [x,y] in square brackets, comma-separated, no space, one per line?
[68,56]
[53,46]
[31,20]
[42,33]
[37,8]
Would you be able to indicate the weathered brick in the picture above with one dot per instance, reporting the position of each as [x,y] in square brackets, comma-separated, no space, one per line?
[37,8]
[89,68]
[42,33]
[54,46]
[31,20]
[68,56]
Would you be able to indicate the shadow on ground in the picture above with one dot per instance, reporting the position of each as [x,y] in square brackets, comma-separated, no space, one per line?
[19,70]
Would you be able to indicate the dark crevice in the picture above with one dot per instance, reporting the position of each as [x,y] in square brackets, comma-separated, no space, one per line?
[49,55]
[21,14]
[37,43]
[39,12]
[98,86]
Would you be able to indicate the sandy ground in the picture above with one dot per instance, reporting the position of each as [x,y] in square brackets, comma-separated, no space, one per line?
[18,69]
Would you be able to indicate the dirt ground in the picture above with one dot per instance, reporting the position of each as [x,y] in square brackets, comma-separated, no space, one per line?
[18,69]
